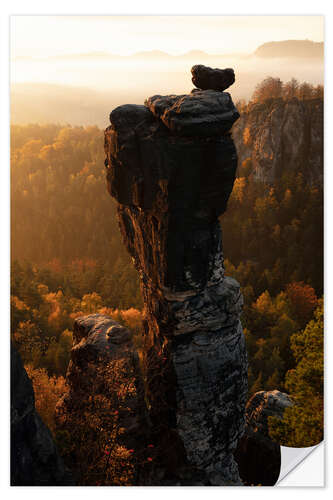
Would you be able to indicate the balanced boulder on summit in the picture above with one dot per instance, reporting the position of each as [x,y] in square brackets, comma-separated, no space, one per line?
[206,78]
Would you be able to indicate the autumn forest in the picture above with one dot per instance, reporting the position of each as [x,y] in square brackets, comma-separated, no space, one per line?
[68,260]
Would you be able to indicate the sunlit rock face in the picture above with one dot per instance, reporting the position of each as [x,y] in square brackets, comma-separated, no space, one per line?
[171,166]
[282,137]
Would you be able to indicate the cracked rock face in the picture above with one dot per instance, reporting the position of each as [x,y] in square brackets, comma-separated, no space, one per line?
[258,455]
[171,166]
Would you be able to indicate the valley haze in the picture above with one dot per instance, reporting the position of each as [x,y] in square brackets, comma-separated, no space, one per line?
[76,89]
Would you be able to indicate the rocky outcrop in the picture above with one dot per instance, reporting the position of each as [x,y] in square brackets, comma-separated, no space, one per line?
[104,380]
[34,458]
[291,48]
[171,166]
[282,136]
[206,78]
[258,455]
[202,113]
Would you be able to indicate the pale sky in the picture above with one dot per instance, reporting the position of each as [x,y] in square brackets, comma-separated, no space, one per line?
[43,36]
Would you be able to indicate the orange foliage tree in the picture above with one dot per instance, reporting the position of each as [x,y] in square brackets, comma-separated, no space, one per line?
[303,300]
[48,390]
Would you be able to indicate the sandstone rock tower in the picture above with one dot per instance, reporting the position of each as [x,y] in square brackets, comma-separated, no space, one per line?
[171,167]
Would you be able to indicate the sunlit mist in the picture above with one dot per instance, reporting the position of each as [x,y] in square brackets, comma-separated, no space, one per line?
[85,60]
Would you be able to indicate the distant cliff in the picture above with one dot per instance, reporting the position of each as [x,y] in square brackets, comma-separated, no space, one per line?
[282,136]
[291,48]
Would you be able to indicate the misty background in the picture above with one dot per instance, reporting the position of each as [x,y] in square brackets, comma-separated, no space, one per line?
[82,89]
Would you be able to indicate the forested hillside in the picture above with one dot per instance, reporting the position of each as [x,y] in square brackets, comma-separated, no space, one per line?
[60,207]
[68,258]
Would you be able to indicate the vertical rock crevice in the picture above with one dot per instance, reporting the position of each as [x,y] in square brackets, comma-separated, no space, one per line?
[171,166]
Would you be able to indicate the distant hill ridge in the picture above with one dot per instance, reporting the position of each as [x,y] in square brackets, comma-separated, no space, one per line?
[144,54]
[285,48]
[291,48]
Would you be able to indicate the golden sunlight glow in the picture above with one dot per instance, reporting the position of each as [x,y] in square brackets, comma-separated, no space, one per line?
[82,62]
[43,36]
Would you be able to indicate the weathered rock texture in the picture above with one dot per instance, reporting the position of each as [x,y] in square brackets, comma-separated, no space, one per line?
[282,136]
[258,455]
[206,78]
[100,342]
[171,167]
[34,458]
[203,113]
[104,384]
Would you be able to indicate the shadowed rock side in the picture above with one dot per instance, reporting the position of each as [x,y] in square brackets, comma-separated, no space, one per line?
[172,180]
[34,458]
[258,455]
